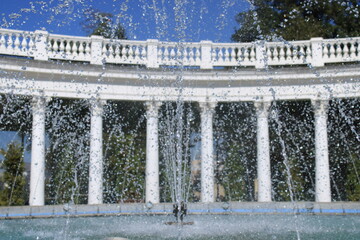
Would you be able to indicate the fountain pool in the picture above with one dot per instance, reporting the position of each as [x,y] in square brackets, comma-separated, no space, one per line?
[205,227]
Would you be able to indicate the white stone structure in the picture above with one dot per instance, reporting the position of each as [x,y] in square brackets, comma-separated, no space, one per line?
[152,153]
[83,78]
[263,152]
[207,152]
[96,152]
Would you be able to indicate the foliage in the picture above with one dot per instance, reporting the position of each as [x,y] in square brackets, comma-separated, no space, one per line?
[352,183]
[124,169]
[291,131]
[344,148]
[235,134]
[67,155]
[14,178]
[124,151]
[102,24]
[298,20]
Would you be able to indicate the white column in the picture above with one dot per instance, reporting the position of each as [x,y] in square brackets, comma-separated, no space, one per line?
[263,152]
[96,154]
[207,152]
[322,172]
[152,153]
[37,174]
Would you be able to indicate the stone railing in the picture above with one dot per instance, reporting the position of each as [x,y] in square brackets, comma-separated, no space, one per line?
[41,45]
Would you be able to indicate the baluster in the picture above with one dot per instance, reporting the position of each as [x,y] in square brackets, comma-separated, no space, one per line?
[220,55]
[143,52]
[87,48]
[104,49]
[276,54]
[120,50]
[24,47]
[282,53]
[56,46]
[16,42]
[2,42]
[295,53]
[308,53]
[166,54]
[226,55]
[172,53]
[338,51]
[117,51]
[160,54]
[326,51]
[68,47]
[50,45]
[332,51]
[233,55]
[191,55]
[9,42]
[301,53]
[240,54]
[352,50]
[61,47]
[197,55]
[213,54]
[137,53]
[80,48]
[346,53]
[357,49]
[252,54]
[288,51]
[269,54]
[184,55]
[131,52]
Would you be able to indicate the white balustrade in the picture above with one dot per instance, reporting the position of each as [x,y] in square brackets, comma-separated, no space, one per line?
[233,54]
[69,48]
[288,53]
[204,54]
[17,43]
[124,51]
[341,50]
[179,54]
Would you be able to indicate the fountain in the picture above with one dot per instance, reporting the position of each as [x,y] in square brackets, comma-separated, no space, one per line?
[175,137]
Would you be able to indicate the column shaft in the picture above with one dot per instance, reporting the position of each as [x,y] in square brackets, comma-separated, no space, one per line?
[96,154]
[263,152]
[207,152]
[37,174]
[322,172]
[152,153]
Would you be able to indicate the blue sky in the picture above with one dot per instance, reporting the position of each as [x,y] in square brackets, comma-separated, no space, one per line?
[167,20]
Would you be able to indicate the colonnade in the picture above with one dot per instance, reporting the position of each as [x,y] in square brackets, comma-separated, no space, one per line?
[37,176]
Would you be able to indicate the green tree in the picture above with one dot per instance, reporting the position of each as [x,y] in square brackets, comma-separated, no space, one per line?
[124,169]
[298,20]
[14,182]
[67,156]
[352,183]
[102,24]
[235,133]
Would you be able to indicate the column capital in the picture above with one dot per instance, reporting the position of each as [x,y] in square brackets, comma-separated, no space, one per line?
[152,108]
[207,106]
[39,101]
[320,106]
[96,106]
[262,108]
